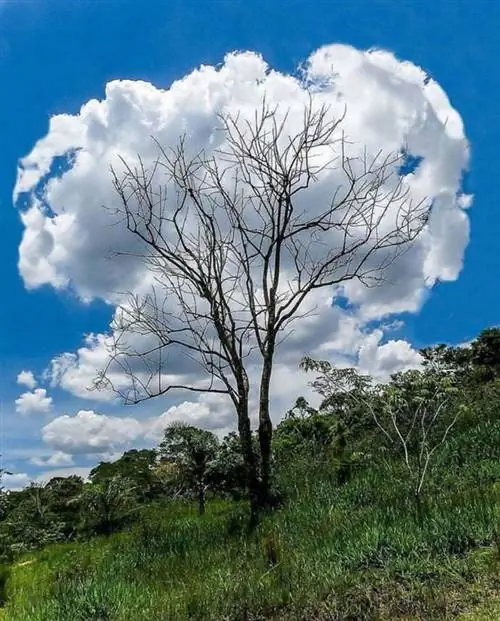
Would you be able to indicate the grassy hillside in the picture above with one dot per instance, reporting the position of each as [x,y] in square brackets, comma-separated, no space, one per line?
[352,539]
[352,552]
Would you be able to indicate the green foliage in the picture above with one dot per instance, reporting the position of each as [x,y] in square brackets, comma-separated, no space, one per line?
[413,414]
[107,505]
[346,544]
[304,429]
[227,472]
[475,363]
[353,551]
[485,353]
[193,452]
[40,515]
[136,466]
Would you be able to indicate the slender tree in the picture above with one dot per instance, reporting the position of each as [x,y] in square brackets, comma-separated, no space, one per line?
[136,466]
[193,451]
[107,505]
[235,250]
[415,412]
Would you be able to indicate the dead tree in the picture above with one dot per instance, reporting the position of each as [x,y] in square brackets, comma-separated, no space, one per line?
[234,249]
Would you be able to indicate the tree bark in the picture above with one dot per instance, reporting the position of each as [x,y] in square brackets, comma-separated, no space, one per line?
[419,506]
[265,433]
[201,498]
[249,459]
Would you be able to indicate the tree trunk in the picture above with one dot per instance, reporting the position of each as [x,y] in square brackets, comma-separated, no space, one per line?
[249,458]
[419,506]
[265,432]
[201,498]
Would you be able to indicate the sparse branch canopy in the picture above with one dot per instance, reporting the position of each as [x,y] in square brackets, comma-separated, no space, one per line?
[236,240]
[415,411]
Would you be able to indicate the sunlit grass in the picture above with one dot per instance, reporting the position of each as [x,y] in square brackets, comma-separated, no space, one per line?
[355,552]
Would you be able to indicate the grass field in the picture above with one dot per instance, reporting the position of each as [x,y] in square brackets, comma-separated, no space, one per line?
[352,552]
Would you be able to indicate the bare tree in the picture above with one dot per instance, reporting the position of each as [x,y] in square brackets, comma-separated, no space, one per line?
[235,250]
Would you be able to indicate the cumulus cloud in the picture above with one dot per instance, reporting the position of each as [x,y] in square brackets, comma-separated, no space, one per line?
[36,401]
[382,360]
[211,412]
[16,481]
[57,459]
[75,372]
[26,378]
[334,335]
[392,106]
[91,433]
[79,471]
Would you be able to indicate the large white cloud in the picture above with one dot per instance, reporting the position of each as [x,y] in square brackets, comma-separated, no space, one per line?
[391,106]
[334,335]
[68,238]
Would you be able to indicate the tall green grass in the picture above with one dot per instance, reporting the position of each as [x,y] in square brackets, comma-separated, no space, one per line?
[359,551]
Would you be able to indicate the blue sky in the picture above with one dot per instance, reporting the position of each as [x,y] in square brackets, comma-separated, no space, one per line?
[56,55]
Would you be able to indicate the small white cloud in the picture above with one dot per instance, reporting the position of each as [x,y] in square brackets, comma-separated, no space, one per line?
[77,372]
[16,482]
[26,378]
[213,414]
[58,458]
[381,361]
[90,433]
[35,401]
[79,471]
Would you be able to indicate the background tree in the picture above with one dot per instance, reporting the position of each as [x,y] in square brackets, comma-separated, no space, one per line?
[485,354]
[139,467]
[107,505]
[33,519]
[228,471]
[475,363]
[193,451]
[235,251]
[447,359]
[337,433]
[4,501]
[62,496]
[304,428]
[415,412]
